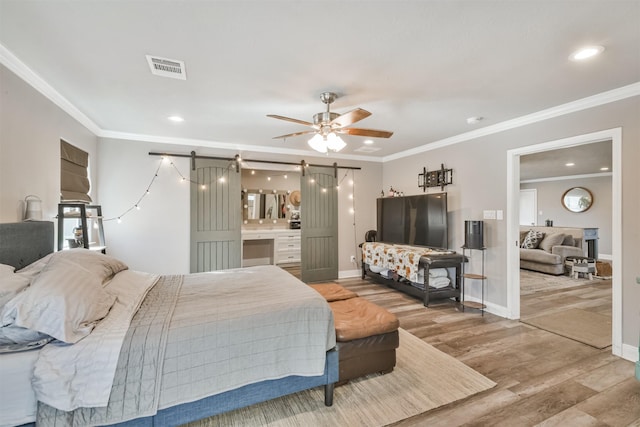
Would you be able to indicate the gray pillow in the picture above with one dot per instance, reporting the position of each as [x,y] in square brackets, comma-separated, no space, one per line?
[532,239]
[551,240]
[568,240]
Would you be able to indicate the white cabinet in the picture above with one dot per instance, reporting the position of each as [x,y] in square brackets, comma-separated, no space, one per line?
[287,247]
[260,247]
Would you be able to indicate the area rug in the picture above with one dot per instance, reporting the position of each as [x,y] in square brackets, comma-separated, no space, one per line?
[532,282]
[587,327]
[424,378]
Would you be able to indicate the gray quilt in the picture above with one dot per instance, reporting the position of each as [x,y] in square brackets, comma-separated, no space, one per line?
[136,386]
[203,334]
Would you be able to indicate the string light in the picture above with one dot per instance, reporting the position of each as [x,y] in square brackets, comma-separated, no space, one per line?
[222,179]
[163,160]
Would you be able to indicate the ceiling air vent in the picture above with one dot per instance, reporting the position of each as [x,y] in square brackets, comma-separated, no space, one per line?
[167,67]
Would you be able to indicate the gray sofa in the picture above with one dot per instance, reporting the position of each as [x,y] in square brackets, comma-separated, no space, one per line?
[557,244]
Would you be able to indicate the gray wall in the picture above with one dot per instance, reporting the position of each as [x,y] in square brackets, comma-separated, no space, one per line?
[31,127]
[599,214]
[480,182]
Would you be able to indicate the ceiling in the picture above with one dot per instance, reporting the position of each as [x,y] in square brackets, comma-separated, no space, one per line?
[421,67]
[576,161]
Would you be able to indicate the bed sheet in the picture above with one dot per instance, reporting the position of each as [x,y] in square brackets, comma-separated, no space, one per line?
[17,398]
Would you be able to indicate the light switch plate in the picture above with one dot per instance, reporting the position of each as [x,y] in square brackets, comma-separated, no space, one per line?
[499,215]
[489,214]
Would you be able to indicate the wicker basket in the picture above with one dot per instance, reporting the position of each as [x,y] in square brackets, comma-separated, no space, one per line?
[603,269]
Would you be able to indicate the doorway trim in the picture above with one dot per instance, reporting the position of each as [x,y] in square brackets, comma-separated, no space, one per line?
[513,220]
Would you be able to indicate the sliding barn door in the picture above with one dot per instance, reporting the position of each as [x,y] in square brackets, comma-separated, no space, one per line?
[319,223]
[216,216]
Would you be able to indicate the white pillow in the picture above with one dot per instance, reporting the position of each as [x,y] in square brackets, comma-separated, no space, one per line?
[6,270]
[97,263]
[65,301]
[12,285]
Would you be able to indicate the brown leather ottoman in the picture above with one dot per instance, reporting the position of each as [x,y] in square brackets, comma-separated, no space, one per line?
[367,338]
[333,291]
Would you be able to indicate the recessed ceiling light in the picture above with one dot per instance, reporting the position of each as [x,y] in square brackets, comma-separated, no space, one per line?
[474,120]
[570,164]
[586,53]
[368,141]
[176,119]
[604,169]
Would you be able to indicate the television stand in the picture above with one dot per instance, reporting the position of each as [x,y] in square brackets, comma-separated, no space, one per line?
[448,260]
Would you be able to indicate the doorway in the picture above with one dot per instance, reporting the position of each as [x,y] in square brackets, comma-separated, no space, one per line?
[528,206]
[513,220]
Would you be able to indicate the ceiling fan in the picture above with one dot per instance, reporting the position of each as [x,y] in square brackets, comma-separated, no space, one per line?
[327,125]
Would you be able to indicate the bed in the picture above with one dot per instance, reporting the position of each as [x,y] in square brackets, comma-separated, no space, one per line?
[181,348]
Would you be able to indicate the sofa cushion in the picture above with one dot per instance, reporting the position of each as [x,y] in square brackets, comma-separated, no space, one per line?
[540,256]
[551,240]
[532,239]
[568,240]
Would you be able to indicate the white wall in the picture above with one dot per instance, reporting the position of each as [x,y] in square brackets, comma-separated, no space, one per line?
[480,183]
[598,215]
[31,127]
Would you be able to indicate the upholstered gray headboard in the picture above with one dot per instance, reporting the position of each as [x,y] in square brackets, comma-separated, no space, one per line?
[22,243]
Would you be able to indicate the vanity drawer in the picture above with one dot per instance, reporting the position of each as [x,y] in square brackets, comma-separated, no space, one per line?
[288,245]
[286,257]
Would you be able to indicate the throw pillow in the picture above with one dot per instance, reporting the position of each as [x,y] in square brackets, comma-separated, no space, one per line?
[551,240]
[569,240]
[523,234]
[532,239]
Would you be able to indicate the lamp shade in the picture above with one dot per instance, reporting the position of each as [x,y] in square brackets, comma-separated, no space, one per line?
[334,142]
[318,143]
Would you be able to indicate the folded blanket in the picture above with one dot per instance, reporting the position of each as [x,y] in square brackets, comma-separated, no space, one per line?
[439,282]
[438,272]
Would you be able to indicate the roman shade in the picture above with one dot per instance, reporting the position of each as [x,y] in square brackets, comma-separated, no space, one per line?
[74,176]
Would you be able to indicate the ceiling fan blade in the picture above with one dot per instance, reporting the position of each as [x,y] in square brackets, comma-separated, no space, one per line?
[289,135]
[366,132]
[289,119]
[350,117]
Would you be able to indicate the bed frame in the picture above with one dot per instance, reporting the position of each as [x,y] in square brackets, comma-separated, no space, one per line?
[25,242]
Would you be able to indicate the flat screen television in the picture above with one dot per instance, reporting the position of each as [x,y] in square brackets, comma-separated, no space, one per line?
[413,220]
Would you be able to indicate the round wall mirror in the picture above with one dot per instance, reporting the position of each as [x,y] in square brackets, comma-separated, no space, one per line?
[577,199]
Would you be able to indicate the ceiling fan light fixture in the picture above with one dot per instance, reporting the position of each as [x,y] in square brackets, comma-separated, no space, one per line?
[335,143]
[318,143]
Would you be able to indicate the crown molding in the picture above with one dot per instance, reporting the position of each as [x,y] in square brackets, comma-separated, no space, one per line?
[9,60]
[238,148]
[568,177]
[560,110]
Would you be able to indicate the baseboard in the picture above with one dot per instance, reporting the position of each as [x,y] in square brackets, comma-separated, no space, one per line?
[630,352]
[498,310]
[346,274]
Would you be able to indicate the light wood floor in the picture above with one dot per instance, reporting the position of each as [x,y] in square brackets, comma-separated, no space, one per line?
[543,379]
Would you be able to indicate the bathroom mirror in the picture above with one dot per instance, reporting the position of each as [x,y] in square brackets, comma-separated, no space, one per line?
[577,199]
